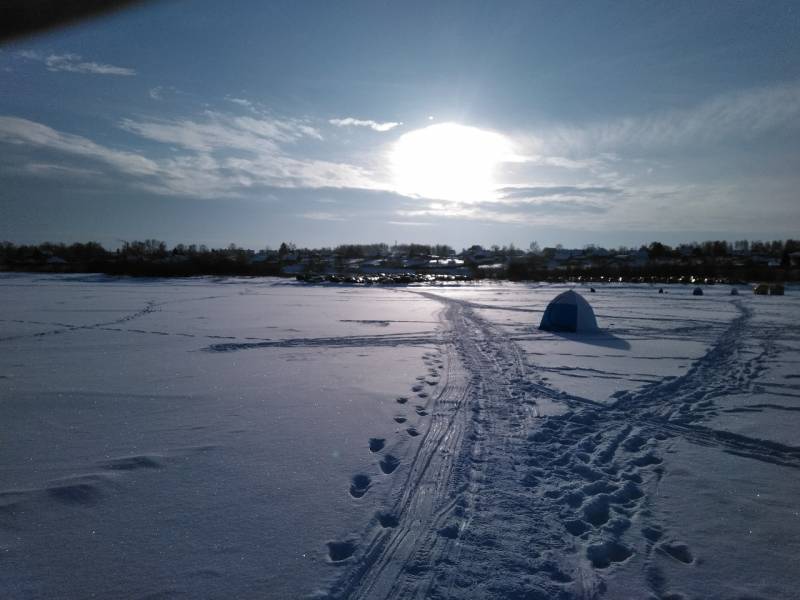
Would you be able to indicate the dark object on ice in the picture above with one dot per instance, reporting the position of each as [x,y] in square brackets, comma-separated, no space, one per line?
[697,291]
[776,289]
[569,311]
[762,289]
[734,292]
[660,290]
[592,290]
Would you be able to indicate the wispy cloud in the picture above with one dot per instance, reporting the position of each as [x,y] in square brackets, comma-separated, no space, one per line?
[322,216]
[742,115]
[74,63]
[374,125]
[49,169]
[217,131]
[206,168]
[241,102]
[19,131]
[556,191]
[539,212]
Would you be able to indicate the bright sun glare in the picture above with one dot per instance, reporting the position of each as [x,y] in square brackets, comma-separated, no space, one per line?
[448,161]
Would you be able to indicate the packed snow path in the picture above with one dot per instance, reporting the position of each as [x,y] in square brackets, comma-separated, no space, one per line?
[520,491]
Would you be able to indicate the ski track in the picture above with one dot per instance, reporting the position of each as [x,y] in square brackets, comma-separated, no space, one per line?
[517,490]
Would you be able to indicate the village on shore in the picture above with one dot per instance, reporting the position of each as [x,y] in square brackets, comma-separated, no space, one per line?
[705,262]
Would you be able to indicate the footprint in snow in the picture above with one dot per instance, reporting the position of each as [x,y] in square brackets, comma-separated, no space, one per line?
[605,554]
[400,419]
[359,485]
[376,444]
[340,551]
[388,464]
[652,533]
[678,551]
[449,532]
[387,520]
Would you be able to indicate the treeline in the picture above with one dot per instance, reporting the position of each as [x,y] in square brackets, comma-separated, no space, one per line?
[742,260]
[718,248]
[710,260]
[139,258]
[384,250]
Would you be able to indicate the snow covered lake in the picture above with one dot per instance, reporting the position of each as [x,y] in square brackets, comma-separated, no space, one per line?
[260,438]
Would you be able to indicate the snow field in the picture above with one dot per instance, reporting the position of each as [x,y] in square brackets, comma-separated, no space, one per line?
[261,438]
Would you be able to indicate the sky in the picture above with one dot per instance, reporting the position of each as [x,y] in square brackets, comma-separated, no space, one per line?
[321,123]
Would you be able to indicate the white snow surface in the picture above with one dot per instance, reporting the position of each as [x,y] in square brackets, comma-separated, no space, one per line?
[261,438]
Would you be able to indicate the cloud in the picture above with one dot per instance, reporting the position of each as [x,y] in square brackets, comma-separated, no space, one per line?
[555,191]
[598,175]
[17,131]
[240,102]
[374,125]
[206,169]
[263,147]
[219,131]
[743,115]
[322,216]
[49,169]
[74,63]
[285,171]
[522,211]
[291,126]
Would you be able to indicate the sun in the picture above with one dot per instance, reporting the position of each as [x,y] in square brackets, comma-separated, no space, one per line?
[448,161]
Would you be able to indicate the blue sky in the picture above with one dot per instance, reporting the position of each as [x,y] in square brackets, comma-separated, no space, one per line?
[253,123]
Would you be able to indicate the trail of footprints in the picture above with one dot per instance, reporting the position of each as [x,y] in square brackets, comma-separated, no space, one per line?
[360,484]
[593,470]
[86,489]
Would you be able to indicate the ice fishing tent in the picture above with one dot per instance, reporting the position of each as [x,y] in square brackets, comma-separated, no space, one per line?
[776,289]
[697,291]
[569,312]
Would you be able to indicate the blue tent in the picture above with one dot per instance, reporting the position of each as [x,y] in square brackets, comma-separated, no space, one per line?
[569,312]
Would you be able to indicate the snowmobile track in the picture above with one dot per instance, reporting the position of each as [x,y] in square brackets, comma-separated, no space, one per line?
[500,503]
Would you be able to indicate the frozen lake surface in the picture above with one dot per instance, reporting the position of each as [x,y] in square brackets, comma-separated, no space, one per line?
[259,438]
